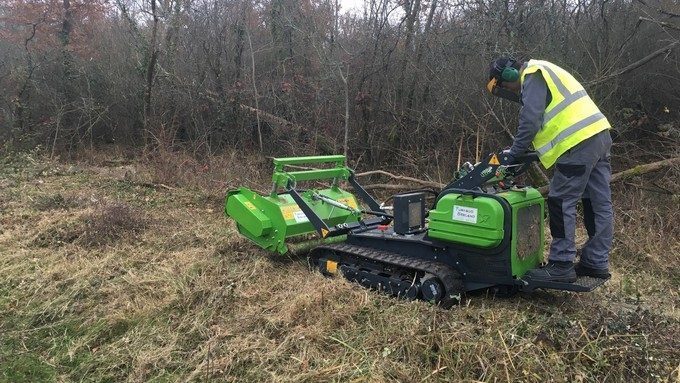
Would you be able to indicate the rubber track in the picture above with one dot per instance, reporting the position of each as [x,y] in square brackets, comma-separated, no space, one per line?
[449,277]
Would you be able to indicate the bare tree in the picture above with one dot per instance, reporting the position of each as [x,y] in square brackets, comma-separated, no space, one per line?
[150,71]
[255,95]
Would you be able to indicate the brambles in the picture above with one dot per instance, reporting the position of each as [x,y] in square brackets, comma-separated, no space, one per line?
[112,222]
[104,224]
[59,234]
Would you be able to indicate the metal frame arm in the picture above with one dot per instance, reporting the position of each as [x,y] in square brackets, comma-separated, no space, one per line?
[315,220]
[363,194]
[339,171]
[324,230]
[281,177]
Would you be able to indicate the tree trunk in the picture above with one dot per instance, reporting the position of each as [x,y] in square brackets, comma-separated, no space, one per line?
[255,95]
[419,55]
[66,119]
[150,73]
[346,86]
[411,17]
[237,73]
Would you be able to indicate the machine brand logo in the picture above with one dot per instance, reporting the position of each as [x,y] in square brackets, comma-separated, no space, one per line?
[487,171]
[465,214]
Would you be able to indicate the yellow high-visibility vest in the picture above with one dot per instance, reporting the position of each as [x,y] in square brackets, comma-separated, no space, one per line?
[570,118]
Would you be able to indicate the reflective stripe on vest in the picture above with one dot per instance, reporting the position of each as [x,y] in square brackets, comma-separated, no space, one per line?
[571,116]
[563,104]
[569,131]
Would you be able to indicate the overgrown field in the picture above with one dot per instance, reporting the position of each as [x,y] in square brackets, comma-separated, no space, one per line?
[110,272]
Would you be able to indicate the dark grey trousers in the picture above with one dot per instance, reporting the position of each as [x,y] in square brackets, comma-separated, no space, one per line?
[583,173]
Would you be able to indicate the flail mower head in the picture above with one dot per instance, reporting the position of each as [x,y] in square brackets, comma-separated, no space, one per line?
[288,211]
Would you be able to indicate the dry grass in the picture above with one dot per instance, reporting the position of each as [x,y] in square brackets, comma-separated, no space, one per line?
[172,293]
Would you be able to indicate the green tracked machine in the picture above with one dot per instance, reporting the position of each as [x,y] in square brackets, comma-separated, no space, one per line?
[483,230]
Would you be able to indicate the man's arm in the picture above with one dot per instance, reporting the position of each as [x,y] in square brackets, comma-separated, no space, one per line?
[534,96]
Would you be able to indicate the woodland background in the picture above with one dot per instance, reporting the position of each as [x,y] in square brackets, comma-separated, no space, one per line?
[401,82]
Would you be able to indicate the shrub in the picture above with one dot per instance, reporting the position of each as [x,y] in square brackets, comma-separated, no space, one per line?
[112,222]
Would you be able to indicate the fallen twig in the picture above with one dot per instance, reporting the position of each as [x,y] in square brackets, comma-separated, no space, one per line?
[155,186]
[401,178]
[634,171]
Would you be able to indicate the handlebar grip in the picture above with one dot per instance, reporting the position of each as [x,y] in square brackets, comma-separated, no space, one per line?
[527,157]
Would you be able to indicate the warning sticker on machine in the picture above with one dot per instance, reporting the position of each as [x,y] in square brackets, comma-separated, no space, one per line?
[349,201]
[288,211]
[293,212]
[465,214]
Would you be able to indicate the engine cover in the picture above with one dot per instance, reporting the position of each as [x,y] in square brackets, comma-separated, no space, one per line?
[482,221]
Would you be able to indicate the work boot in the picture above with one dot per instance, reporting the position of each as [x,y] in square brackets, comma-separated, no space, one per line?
[554,271]
[585,271]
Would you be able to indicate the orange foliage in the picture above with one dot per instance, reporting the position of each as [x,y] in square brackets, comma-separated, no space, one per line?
[39,23]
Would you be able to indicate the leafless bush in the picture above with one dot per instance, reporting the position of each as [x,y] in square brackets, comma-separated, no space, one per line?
[647,232]
[212,174]
[112,222]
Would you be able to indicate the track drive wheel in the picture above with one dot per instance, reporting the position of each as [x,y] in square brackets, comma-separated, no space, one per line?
[454,291]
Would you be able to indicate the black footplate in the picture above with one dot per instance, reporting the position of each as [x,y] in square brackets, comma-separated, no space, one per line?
[582,285]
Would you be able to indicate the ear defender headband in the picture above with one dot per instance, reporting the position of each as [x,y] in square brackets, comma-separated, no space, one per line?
[506,73]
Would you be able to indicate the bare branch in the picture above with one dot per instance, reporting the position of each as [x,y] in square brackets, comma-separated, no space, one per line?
[663,24]
[401,178]
[632,172]
[636,64]
[276,120]
[387,187]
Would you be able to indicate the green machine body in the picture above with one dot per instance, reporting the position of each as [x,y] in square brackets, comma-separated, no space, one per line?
[480,221]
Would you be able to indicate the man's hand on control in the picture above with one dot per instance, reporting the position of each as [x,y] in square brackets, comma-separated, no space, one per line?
[506,158]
